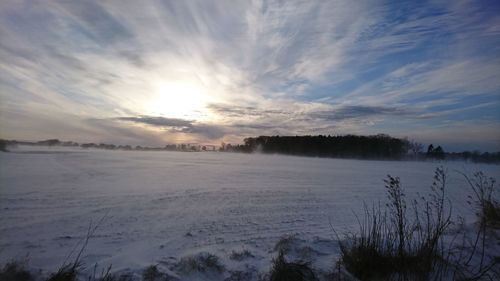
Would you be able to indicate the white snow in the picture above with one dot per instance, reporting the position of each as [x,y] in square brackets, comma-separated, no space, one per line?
[161,206]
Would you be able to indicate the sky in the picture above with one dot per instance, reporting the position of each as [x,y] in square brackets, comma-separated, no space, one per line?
[158,72]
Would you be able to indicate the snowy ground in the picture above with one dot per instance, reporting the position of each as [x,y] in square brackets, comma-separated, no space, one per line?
[162,206]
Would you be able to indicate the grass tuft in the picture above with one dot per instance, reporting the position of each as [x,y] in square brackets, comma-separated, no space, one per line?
[107,276]
[290,271]
[151,273]
[286,243]
[241,255]
[15,271]
[239,276]
[68,272]
[202,262]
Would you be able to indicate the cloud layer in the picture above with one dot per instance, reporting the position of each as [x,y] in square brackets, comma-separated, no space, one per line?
[154,72]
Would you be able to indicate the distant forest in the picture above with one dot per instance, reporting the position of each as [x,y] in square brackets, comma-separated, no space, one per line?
[379,146]
[343,146]
[349,146]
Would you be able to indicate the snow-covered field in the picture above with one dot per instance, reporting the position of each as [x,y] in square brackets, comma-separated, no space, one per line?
[161,206]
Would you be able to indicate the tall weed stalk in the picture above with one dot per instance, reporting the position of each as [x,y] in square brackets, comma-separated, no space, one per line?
[391,244]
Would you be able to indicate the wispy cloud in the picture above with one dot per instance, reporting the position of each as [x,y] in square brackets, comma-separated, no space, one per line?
[158,121]
[174,125]
[359,111]
[209,70]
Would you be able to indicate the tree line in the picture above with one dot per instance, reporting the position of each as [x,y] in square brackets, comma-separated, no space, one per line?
[379,146]
[348,146]
[56,142]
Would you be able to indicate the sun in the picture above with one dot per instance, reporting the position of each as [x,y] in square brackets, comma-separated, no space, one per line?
[178,99]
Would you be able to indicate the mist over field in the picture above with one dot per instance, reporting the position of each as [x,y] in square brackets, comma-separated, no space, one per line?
[160,207]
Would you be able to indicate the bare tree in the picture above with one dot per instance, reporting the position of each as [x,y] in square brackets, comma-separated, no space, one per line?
[416,148]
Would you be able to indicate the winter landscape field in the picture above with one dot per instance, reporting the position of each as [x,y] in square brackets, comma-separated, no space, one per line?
[158,208]
[263,140]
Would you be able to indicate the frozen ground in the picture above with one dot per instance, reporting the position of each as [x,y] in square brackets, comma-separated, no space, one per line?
[162,206]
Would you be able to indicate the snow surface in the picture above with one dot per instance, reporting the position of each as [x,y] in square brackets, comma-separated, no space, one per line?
[159,207]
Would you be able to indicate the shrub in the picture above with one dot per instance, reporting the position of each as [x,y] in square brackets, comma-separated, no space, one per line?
[390,244]
[289,271]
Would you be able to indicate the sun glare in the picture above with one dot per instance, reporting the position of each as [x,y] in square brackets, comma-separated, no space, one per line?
[178,99]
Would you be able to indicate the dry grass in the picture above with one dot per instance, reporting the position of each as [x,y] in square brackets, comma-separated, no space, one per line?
[202,262]
[391,244]
[241,255]
[484,200]
[15,271]
[290,271]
